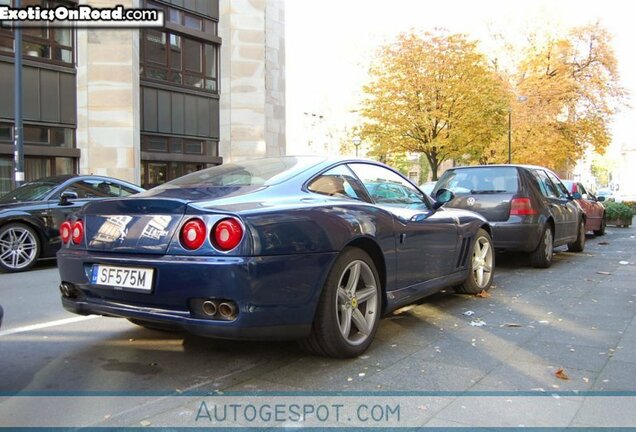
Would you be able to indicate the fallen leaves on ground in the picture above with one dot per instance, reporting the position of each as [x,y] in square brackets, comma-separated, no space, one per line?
[560,374]
[603,243]
[603,273]
[482,294]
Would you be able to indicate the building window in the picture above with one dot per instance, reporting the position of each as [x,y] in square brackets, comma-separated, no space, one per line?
[42,43]
[34,168]
[179,60]
[155,173]
[189,146]
[40,135]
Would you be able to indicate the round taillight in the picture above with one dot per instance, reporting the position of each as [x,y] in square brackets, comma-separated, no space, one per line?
[227,233]
[78,232]
[65,231]
[193,234]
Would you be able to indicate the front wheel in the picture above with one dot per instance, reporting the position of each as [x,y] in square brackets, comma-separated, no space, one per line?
[542,255]
[579,244]
[349,308]
[481,267]
[19,247]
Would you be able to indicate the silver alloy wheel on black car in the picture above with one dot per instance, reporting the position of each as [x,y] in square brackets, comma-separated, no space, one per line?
[348,312]
[542,256]
[579,244]
[481,266]
[19,247]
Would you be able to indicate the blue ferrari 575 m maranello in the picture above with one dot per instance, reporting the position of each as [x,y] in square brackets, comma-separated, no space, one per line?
[281,248]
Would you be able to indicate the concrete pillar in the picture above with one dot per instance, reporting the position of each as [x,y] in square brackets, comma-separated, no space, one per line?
[252,79]
[108,120]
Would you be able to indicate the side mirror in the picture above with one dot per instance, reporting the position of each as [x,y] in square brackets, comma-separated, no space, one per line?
[601,198]
[67,196]
[576,196]
[442,196]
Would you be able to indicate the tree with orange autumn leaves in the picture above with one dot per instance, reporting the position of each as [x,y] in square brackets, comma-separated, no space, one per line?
[437,95]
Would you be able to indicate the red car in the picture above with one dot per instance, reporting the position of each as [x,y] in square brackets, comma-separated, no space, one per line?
[593,209]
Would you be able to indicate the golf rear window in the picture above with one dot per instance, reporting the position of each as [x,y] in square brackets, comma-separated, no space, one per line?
[480,180]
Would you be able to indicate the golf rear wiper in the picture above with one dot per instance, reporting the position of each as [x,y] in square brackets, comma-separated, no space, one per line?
[487,191]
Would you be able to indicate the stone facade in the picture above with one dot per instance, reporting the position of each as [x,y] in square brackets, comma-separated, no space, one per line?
[108,100]
[252,89]
[252,79]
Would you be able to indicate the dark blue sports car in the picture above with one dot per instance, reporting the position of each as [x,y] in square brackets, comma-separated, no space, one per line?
[283,248]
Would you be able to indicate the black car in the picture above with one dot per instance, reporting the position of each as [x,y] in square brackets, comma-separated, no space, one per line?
[31,214]
[528,207]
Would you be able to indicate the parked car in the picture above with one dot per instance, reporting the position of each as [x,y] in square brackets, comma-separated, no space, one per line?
[428,187]
[605,194]
[280,248]
[594,210]
[528,207]
[31,214]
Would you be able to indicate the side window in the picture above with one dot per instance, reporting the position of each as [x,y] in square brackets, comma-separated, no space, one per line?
[582,191]
[338,181]
[386,187]
[121,190]
[547,188]
[562,191]
[93,189]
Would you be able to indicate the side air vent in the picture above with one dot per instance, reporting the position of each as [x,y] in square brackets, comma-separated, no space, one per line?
[463,253]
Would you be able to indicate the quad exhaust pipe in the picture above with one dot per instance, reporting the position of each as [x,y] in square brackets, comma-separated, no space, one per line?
[225,310]
[209,308]
[68,290]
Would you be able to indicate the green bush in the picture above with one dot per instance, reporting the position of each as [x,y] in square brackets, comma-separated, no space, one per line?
[632,205]
[615,210]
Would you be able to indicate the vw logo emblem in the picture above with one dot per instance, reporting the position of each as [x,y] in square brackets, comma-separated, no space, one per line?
[470,201]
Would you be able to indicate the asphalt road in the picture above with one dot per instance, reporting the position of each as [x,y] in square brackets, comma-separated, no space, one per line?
[578,315]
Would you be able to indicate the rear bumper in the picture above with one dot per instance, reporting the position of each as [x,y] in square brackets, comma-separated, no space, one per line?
[516,234]
[275,296]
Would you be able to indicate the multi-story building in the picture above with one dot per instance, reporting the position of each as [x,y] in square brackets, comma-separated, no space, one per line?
[147,105]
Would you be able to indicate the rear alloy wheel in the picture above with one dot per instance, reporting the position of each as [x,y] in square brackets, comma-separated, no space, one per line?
[579,244]
[349,308]
[542,255]
[19,247]
[481,267]
[601,230]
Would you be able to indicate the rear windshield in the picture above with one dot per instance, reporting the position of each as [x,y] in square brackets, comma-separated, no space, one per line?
[256,172]
[482,180]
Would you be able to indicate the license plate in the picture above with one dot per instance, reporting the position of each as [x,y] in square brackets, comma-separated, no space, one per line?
[133,278]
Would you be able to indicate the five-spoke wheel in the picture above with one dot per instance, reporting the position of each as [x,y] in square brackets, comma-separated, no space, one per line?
[481,265]
[349,307]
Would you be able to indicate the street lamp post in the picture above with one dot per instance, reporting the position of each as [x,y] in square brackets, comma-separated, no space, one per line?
[519,99]
[509,135]
[356,142]
[17,104]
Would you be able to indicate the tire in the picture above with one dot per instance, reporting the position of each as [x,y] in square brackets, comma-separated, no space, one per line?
[579,244]
[154,325]
[541,257]
[348,311]
[482,264]
[601,230]
[19,247]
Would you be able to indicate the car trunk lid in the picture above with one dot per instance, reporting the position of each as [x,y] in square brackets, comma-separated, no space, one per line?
[132,225]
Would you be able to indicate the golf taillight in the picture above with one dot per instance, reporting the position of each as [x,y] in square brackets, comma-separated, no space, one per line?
[78,232]
[521,207]
[193,234]
[65,231]
[227,234]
